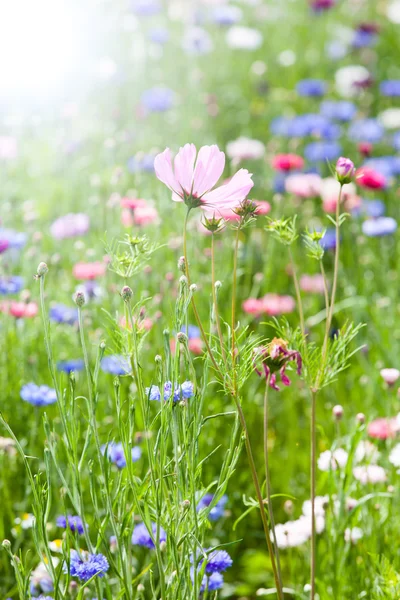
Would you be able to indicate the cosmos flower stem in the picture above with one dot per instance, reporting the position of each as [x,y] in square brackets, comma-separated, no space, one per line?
[193,302]
[313,487]
[234,287]
[326,292]
[298,293]
[268,480]
[215,299]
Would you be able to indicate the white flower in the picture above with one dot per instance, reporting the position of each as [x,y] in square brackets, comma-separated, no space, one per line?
[320,503]
[348,79]
[366,451]
[393,12]
[245,148]
[369,474]
[390,118]
[390,376]
[332,460]
[394,456]
[244,38]
[353,535]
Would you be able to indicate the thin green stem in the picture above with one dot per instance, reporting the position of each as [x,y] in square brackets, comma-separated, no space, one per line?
[298,293]
[313,488]
[234,287]
[215,300]
[268,481]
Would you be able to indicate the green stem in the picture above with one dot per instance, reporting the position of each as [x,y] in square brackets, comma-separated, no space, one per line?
[313,487]
[298,293]
[215,300]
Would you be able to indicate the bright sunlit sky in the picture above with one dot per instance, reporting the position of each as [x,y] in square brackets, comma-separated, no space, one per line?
[43,47]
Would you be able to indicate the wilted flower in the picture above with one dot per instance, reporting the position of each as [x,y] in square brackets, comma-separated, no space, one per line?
[275,357]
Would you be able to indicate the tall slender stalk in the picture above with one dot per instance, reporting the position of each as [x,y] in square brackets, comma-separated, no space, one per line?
[298,293]
[268,481]
[215,299]
[313,488]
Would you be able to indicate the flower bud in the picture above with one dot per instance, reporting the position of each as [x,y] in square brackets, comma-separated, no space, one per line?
[158,358]
[126,293]
[218,285]
[79,299]
[288,507]
[186,504]
[102,345]
[182,264]
[344,170]
[140,587]
[360,418]
[390,376]
[6,544]
[182,337]
[42,269]
[193,288]
[337,412]
[183,280]
[163,546]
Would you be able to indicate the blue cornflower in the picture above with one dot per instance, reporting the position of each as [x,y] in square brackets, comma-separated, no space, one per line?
[153,393]
[373,208]
[44,598]
[217,511]
[74,523]
[144,163]
[366,130]
[192,331]
[141,536]
[335,49]
[390,87]
[305,125]
[187,390]
[115,365]
[363,39]
[168,391]
[278,184]
[311,87]
[226,14]
[115,453]
[322,151]
[146,8]
[84,565]
[38,395]
[217,561]
[68,366]
[15,239]
[214,582]
[328,242]
[11,285]
[342,110]
[396,140]
[60,313]
[158,99]
[197,41]
[379,227]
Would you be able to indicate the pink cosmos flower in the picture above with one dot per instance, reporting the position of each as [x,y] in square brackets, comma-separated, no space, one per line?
[382,429]
[263,207]
[287,162]
[313,284]
[20,310]
[192,180]
[132,203]
[89,270]
[368,178]
[270,304]
[304,185]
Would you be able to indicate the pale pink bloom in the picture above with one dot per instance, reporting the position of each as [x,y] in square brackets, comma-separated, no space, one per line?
[304,185]
[274,304]
[195,345]
[143,324]
[253,306]
[8,147]
[390,376]
[297,532]
[320,503]
[263,207]
[145,215]
[366,451]
[89,270]
[19,310]
[313,284]
[71,225]
[192,181]
[244,148]
[370,474]
[382,429]
[394,456]
[132,203]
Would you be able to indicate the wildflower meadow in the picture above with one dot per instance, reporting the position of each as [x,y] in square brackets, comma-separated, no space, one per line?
[199,311]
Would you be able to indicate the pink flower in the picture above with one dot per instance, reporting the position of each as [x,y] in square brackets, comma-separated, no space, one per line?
[287,162]
[274,304]
[253,306]
[368,178]
[132,203]
[89,270]
[20,310]
[390,376]
[263,207]
[192,181]
[382,429]
[304,185]
[344,170]
[313,284]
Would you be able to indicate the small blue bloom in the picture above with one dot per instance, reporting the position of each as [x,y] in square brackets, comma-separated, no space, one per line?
[311,87]
[366,130]
[363,39]
[141,536]
[339,110]
[328,242]
[146,8]
[60,313]
[396,141]
[305,125]
[389,166]
[336,50]
[159,35]
[15,239]
[74,523]
[145,163]
[197,41]
[38,395]
[193,332]
[115,365]
[187,389]
[390,87]
[210,583]
[11,285]
[226,15]
[153,393]
[115,453]
[217,511]
[84,565]
[379,227]
[158,99]
[68,366]
[373,208]
[218,561]
[322,151]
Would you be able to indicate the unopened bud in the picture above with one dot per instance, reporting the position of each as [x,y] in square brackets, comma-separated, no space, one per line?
[79,299]
[288,507]
[6,544]
[163,546]
[183,280]
[186,504]
[360,418]
[42,269]
[182,264]
[102,346]
[182,337]
[158,358]
[344,170]
[126,293]
[337,412]
[140,587]
[218,285]
[193,288]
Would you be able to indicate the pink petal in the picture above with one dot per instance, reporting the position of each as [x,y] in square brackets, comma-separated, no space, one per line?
[164,172]
[233,193]
[184,166]
[209,168]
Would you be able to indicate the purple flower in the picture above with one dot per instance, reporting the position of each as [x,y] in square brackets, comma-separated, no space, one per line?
[217,511]
[115,453]
[158,99]
[322,151]
[217,561]
[328,242]
[339,110]
[11,285]
[187,389]
[74,523]
[379,227]
[69,226]
[68,366]
[38,395]
[84,565]
[15,239]
[344,170]
[311,87]
[60,313]
[142,537]
[390,87]
[214,582]
[115,365]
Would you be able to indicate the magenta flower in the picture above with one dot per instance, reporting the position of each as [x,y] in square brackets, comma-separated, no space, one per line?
[192,180]
[273,358]
[344,170]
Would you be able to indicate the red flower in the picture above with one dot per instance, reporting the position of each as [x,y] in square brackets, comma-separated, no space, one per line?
[287,162]
[368,178]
